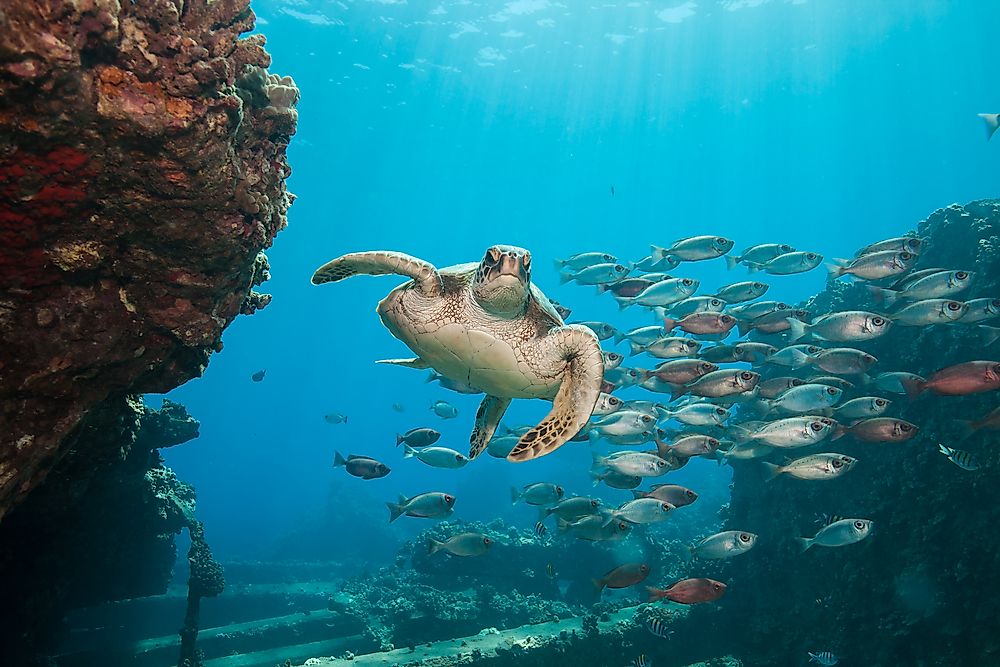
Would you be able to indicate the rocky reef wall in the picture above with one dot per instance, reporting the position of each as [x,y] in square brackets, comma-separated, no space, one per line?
[142,171]
[919,592]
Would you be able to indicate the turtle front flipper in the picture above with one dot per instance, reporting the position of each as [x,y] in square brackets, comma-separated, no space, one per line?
[378,263]
[415,362]
[488,417]
[579,348]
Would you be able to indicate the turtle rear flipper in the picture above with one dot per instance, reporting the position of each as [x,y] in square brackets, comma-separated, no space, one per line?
[379,263]
[491,411]
[579,348]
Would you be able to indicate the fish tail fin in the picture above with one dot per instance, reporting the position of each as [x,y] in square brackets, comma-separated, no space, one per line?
[653,594]
[796,329]
[395,510]
[636,495]
[966,427]
[753,267]
[992,121]
[771,470]
[559,264]
[345,420]
[635,348]
[408,452]
[669,323]
[743,328]
[433,546]
[913,386]
[732,262]
[562,525]
[598,585]
[989,334]
[657,253]
[947,451]
[619,336]
[399,439]
[676,391]
[433,375]
[515,495]
[882,296]
[804,543]
[836,268]
[624,301]
[339,460]
[565,277]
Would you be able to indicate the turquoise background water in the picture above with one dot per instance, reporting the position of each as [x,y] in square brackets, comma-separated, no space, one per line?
[440,129]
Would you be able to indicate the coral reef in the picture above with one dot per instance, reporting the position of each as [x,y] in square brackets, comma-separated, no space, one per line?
[913,590]
[142,171]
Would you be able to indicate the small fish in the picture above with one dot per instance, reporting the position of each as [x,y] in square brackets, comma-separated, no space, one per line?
[789,263]
[463,545]
[909,244]
[758,254]
[573,509]
[637,464]
[775,386]
[592,528]
[930,311]
[980,310]
[642,661]
[882,429]
[500,446]
[792,432]
[658,628]
[742,292]
[992,121]
[694,445]
[842,360]
[824,658]
[434,505]
[642,511]
[702,323]
[751,311]
[418,437]
[627,287]
[436,457]
[649,264]
[990,422]
[584,260]
[814,467]
[774,322]
[399,407]
[540,529]
[668,347]
[839,533]
[700,414]
[258,376]
[663,293]
[444,409]
[864,407]
[453,385]
[540,494]
[622,576]
[874,266]
[725,382]
[723,545]
[645,335]
[896,382]
[617,480]
[681,371]
[550,571]
[940,285]
[851,325]
[695,248]
[563,311]
[971,377]
[696,304]
[607,404]
[595,275]
[806,398]
[962,459]
[678,496]
[335,418]
[689,591]
[602,330]
[361,466]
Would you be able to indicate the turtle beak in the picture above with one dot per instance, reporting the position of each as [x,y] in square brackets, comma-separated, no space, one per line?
[511,264]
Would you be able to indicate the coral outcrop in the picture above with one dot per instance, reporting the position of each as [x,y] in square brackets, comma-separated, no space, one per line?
[142,171]
[921,586]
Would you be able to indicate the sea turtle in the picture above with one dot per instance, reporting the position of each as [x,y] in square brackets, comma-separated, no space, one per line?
[488,326]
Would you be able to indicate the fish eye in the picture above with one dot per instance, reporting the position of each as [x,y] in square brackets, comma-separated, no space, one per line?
[647,418]
[995,303]
[837,463]
[661,463]
[878,321]
[487,540]
[622,525]
[905,256]
[810,255]
[619,268]
[721,240]
[744,537]
[689,493]
[832,391]
[726,319]
[817,426]
[759,285]
[608,258]
[559,490]
[687,282]
[614,400]
[715,302]
[459,457]
[720,411]
[717,586]
[860,525]
[665,507]
[954,305]
[746,375]
[961,275]
[707,365]
[595,503]
[904,427]
[449,499]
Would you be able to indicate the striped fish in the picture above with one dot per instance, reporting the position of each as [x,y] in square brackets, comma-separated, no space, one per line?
[642,661]
[658,628]
[540,529]
[962,459]
[550,570]
[824,658]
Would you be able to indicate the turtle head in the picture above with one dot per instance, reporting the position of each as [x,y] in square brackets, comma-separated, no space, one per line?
[502,280]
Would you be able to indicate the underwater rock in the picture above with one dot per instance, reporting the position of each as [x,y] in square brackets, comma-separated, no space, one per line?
[908,592]
[142,171]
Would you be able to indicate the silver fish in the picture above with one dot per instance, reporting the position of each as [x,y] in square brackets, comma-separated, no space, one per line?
[435,505]
[980,310]
[464,544]
[851,325]
[584,260]
[602,330]
[612,359]
[789,263]
[938,285]
[930,311]
[663,293]
[806,398]
[742,292]
[814,467]
[571,509]
[896,382]
[842,360]
[696,304]
[723,382]
[650,264]
[500,447]
[436,457]
[864,407]
[335,418]
[909,244]
[723,545]
[646,335]
[668,347]
[593,528]
[962,459]
[635,464]
[624,422]
[772,387]
[539,493]
[794,356]
[839,533]
[700,414]
[595,275]
[606,405]
[453,385]
[695,248]
[642,511]
[751,311]
[758,254]
[444,409]
[792,432]
[874,266]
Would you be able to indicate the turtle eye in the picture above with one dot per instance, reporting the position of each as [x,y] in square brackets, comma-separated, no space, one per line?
[962,275]
[954,305]
[860,525]
[526,260]
[493,255]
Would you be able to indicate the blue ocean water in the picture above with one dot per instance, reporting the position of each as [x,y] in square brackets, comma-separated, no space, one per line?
[439,129]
